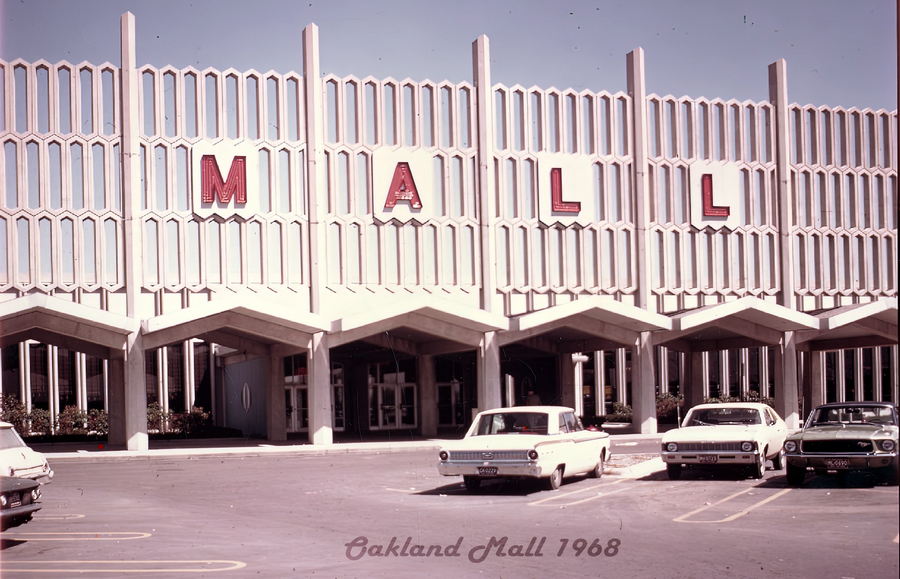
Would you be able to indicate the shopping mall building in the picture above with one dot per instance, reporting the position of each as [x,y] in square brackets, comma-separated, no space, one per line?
[306,253]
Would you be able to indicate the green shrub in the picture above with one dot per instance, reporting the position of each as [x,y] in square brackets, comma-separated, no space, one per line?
[197,421]
[157,418]
[98,422]
[13,411]
[40,422]
[72,420]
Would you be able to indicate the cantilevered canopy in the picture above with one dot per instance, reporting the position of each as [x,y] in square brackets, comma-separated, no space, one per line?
[741,323]
[586,324]
[235,323]
[417,325]
[62,323]
[854,326]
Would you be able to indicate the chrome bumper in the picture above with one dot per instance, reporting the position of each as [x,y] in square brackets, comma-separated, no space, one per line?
[855,461]
[504,469]
[722,457]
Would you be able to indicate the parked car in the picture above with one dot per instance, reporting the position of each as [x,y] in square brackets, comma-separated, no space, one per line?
[528,442]
[18,459]
[742,434]
[845,436]
[18,501]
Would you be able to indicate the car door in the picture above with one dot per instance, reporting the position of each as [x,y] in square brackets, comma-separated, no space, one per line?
[776,431]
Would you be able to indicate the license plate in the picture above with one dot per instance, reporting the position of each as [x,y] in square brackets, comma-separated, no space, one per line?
[487,470]
[15,503]
[708,459]
[837,463]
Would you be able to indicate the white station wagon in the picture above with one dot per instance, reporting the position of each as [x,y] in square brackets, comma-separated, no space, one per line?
[729,434]
[537,442]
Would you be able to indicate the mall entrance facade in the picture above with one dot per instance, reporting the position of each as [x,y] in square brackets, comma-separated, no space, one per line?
[314,257]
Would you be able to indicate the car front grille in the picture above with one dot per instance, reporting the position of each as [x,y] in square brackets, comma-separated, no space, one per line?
[707,446]
[838,446]
[489,455]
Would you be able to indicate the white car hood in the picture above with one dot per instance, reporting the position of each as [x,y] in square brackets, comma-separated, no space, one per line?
[717,433]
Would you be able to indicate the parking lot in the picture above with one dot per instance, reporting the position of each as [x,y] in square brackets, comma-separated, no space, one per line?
[366,514]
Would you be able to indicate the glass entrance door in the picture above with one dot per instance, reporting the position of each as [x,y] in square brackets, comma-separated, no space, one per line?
[296,408]
[392,406]
[450,404]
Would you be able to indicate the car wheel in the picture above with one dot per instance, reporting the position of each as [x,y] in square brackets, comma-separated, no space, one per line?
[778,461]
[473,483]
[759,467]
[598,470]
[555,480]
[795,475]
[674,471]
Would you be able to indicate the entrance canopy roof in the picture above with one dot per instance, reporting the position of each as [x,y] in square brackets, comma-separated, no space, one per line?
[62,323]
[236,324]
[418,325]
[586,324]
[741,323]
[854,326]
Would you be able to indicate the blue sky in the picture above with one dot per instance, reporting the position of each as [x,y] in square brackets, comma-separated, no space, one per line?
[839,53]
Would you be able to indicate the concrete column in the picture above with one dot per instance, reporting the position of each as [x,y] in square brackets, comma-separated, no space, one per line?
[135,391]
[567,381]
[276,421]
[787,390]
[488,364]
[816,378]
[127,397]
[643,405]
[321,419]
[696,369]
[484,111]
[621,383]
[600,383]
[315,165]
[428,413]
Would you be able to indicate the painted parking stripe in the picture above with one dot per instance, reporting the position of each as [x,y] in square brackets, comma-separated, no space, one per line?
[684,518]
[82,536]
[559,499]
[121,567]
[59,517]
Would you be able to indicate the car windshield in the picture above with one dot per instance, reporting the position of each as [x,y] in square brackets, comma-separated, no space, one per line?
[714,416]
[9,439]
[512,423]
[853,414]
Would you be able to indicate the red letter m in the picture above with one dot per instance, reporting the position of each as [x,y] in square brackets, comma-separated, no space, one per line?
[212,186]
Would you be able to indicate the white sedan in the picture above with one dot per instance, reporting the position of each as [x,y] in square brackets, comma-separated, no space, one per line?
[740,433]
[538,442]
[17,459]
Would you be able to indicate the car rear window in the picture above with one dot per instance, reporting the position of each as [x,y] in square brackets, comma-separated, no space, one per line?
[512,423]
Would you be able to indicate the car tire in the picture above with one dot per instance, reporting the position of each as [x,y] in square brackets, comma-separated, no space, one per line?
[598,470]
[758,470]
[555,479]
[795,475]
[674,471]
[473,483]
[778,461]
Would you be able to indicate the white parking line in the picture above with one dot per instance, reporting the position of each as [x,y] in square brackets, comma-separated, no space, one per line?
[737,515]
[81,536]
[120,567]
[557,498]
[61,517]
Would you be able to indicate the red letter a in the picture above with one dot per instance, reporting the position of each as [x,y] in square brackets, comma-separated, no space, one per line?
[403,188]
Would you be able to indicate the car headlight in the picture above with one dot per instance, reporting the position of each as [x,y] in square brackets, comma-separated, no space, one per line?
[672,447]
[532,454]
[35,494]
[3,500]
[790,446]
[443,455]
[747,446]
[887,445]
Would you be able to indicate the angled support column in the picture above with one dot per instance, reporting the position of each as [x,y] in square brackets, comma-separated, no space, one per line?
[321,423]
[489,390]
